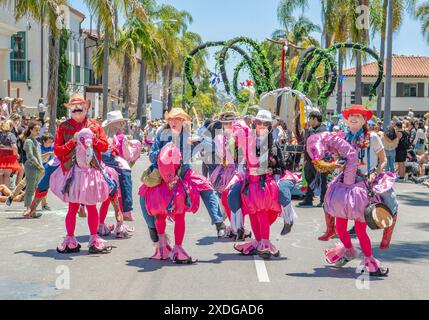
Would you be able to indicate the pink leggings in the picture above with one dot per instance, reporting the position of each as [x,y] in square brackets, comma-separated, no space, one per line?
[71,218]
[261,223]
[179,226]
[360,227]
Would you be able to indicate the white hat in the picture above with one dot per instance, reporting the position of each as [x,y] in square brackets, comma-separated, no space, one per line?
[113,117]
[264,115]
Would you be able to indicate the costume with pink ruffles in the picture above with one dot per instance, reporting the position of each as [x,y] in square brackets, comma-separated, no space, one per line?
[347,198]
[259,195]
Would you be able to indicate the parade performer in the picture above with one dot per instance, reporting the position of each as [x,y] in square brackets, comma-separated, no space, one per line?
[348,195]
[264,190]
[178,190]
[81,179]
[121,155]
[226,166]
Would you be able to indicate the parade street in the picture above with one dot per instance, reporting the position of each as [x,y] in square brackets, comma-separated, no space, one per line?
[32,269]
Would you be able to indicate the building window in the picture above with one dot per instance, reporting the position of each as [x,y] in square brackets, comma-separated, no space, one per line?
[77,74]
[18,57]
[410,89]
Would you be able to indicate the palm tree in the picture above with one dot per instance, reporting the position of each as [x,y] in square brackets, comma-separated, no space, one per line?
[422,13]
[379,23]
[107,12]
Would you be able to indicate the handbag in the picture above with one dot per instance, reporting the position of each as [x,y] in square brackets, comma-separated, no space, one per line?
[151,178]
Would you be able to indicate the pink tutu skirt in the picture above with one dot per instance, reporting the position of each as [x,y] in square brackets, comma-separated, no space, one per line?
[349,201]
[87,187]
[158,199]
[257,199]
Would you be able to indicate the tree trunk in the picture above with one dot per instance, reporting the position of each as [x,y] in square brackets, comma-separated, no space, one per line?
[340,84]
[170,87]
[387,98]
[105,75]
[54,51]
[126,85]
[141,102]
[164,88]
[382,55]
[358,89]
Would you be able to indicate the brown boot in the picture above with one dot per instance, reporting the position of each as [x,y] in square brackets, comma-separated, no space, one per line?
[387,235]
[330,228]
[32,208]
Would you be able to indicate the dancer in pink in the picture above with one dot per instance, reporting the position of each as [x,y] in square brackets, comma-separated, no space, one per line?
[263,191]
[348,195]
[81,179]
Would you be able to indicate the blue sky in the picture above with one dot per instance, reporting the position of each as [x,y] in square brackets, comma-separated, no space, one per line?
[257,19]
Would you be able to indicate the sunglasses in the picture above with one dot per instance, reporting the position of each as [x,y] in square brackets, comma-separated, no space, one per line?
[262,123]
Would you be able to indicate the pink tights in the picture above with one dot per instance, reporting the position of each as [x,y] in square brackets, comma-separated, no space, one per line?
[179,226]
[105,207]
[360,227]
[71,218]
[261,223]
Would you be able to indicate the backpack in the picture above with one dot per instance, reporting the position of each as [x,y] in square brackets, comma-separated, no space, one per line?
[404,143]
[391,133]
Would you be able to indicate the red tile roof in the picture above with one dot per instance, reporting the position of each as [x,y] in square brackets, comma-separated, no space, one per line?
[402,67]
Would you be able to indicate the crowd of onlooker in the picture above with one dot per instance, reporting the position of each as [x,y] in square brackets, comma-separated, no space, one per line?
[406,142]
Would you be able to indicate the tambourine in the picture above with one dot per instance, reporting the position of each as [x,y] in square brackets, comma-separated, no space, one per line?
[378,216]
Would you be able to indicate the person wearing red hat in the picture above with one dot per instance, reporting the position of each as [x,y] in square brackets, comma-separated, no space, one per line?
[370,171]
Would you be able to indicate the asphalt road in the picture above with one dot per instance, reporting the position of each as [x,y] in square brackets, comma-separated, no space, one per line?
[30,267]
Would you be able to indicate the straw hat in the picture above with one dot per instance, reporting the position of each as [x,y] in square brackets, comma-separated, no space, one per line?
[113,117]
[77,98]
[177,113]
[228,116]
[426,116]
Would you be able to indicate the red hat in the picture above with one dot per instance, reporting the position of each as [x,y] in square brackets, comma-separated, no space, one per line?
[358,109]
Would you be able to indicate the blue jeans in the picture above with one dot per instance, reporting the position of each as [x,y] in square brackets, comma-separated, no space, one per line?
[150,221]
[210,199]
[390,155]
[285,194]
[43,184]
[125,182]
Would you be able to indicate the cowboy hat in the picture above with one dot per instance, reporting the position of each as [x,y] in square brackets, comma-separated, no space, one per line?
[264,115]
[177,113]
[227,116]
[113,117]
[358,109]
[77,98]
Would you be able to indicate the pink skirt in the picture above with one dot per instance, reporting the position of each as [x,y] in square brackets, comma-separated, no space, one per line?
[349,201]
[87,187]
[157,199]
[221,177]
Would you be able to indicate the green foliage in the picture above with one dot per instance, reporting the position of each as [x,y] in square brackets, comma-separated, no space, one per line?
[63,67]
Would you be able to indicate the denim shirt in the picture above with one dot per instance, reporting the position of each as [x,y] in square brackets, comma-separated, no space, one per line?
[165,136]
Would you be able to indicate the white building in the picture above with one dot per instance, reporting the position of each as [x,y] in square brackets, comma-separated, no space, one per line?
[24,66]
[410,85]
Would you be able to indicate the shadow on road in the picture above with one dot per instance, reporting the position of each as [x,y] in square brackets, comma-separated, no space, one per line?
[150,265]
[421,225]
[406,252]
[332,272]
[207,241]
[413,200]
[222,257]
[51,253]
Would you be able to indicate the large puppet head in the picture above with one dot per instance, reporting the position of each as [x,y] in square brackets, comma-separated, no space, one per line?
[169,162]
[78,107]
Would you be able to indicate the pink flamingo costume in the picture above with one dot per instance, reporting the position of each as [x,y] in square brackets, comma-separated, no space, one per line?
[171,199]
[84,184]
[259,196]
[346,199]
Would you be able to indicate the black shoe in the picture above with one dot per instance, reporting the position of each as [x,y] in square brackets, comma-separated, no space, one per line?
[320,205]
[68,250]
[46,208]
[381,272]
[221,230]
[9,201]
[305,203]
[287,227]
[352,231]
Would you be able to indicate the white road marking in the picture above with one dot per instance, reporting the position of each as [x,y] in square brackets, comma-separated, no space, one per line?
[261,269]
